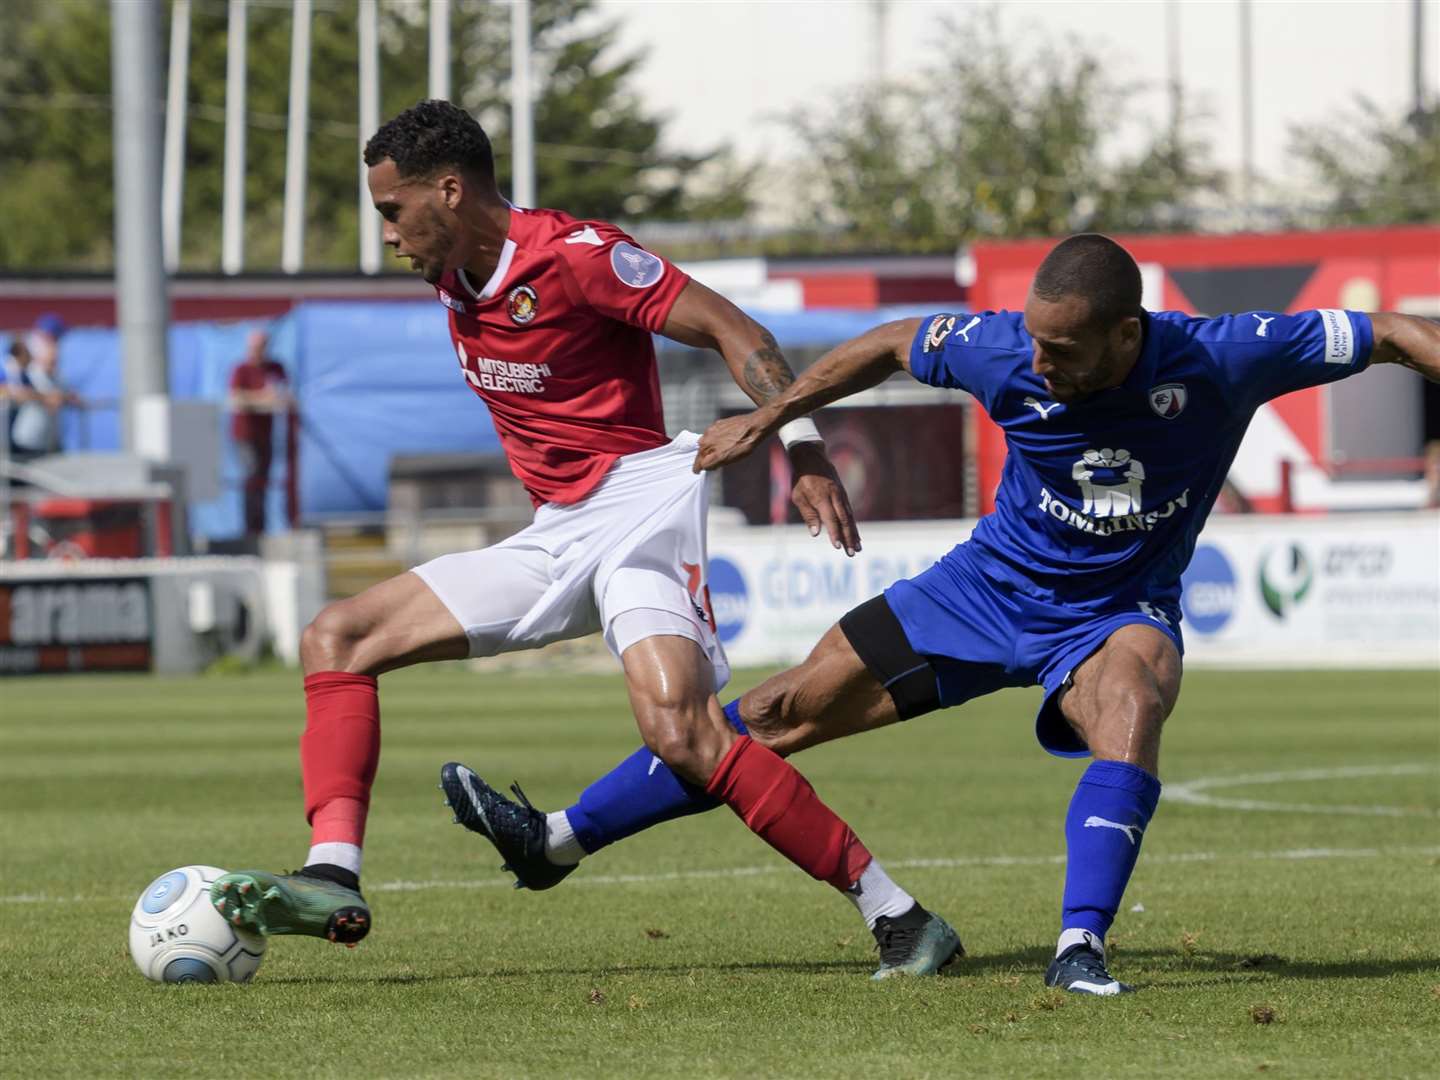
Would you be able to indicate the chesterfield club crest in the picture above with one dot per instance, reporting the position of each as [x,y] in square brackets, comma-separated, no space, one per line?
[1168,400]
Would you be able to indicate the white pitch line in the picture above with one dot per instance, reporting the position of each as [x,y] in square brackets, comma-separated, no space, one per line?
[963,862]
[1193,792]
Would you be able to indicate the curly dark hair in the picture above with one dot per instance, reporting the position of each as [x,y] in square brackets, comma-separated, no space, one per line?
[430,136]
[1096,268]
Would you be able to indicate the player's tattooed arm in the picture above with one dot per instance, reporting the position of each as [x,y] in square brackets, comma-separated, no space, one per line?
[850,367]
[855,365]
[1408,340]
[704,319]
[766,374]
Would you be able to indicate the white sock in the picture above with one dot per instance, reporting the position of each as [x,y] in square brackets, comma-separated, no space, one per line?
[336,854]
[876,895]
[561,847]
[1077,936]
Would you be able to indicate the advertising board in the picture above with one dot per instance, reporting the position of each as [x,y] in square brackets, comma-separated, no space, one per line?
[69,624]
[1279,591]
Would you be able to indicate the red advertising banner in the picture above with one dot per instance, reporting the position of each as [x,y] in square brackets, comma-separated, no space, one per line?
[1361,269]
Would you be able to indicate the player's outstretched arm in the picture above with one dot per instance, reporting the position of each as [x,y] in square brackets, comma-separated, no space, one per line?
[1407,340]
[705,319]
[850,367]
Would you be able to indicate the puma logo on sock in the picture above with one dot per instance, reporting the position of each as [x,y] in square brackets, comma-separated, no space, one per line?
[1096,822]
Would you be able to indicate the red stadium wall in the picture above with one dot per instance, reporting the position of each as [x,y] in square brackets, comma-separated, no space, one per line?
[90,301]
[1364,269]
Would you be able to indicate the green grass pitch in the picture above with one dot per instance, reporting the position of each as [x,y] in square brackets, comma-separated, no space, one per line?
[1282,920]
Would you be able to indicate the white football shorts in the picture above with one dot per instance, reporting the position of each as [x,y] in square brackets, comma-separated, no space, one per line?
[628,559]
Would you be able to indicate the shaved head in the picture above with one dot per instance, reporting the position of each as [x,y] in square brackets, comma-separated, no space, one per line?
[1095,269]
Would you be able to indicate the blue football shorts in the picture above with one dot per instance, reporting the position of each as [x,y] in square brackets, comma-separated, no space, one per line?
[978,630]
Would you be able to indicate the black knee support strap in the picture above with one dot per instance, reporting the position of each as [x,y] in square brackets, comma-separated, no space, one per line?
[879,640]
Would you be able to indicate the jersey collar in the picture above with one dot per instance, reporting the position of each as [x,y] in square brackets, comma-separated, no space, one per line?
[497,279]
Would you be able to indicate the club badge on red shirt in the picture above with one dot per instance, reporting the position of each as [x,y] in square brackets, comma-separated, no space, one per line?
[523,304]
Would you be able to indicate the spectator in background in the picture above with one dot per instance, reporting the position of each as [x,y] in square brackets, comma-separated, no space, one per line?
[16,357]
[12,387]
[37,395]
[43,340]
[258,390]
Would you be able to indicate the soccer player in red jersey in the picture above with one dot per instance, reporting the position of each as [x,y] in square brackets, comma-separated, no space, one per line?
[551,320]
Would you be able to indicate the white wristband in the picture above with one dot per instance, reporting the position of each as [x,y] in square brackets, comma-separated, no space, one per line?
[798,431]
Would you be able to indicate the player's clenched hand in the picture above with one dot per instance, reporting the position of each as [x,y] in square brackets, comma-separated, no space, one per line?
[729,440]
[820,497]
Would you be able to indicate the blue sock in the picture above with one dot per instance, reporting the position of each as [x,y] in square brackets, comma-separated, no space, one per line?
[1108,816]
[639,792]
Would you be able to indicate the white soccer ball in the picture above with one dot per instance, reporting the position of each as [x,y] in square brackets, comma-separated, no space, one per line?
[177,936]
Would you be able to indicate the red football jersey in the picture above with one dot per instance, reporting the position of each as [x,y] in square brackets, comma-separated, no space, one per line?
[557,344]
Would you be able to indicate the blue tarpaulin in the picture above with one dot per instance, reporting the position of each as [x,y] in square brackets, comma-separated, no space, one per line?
[372,380]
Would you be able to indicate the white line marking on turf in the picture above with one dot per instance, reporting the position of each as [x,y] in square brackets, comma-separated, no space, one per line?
[963,862]
[1193,792]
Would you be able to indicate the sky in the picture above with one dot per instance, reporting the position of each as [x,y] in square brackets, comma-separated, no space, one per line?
[724,69]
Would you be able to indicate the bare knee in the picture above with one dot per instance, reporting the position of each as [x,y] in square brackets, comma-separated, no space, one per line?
[829,696]
[773,710]
[1122,695]
[1128,727]
[769,710]
[330,643]
[685,737]
[1140,709]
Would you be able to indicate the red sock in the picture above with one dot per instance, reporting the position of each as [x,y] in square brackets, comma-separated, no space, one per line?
[340,821]
[338,754]
[780,806]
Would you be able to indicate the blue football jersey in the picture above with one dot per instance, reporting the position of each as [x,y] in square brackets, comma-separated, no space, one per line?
[1103,499]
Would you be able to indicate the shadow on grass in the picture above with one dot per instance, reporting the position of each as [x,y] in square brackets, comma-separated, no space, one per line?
[1143,966]
[1220,968]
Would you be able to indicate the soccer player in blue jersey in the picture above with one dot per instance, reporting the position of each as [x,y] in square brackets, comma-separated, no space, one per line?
[1121,426]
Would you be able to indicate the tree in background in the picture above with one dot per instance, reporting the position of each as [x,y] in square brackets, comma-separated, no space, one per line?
[55,135]
[1374,168]
[996,140]
[55,160]
[599,150]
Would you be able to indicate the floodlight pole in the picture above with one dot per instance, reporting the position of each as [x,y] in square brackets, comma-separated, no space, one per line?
[1247,117]
[440,50]
[232,213]
[879,40]
[369,28]
[1417,55]
[172,195]
[141,302]
[1172,57]
[522,124]
[297,132]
